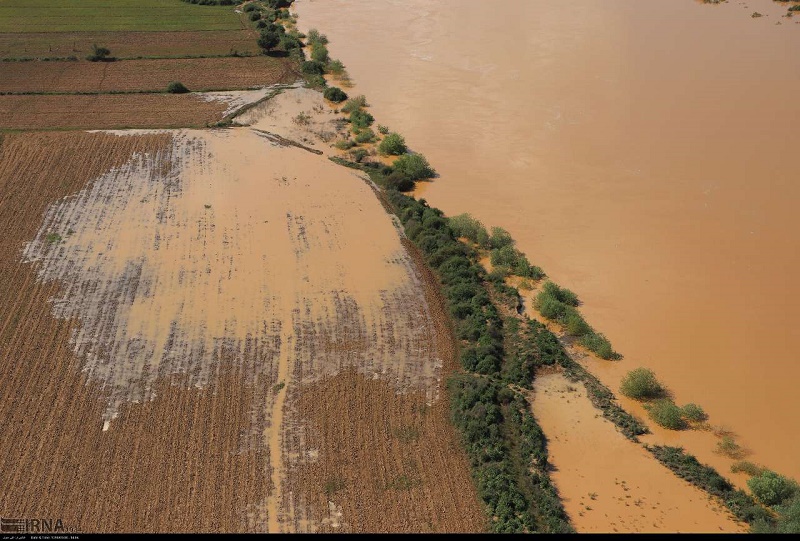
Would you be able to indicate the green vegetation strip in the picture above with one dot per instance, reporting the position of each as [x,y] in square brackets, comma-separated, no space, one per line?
[102,15]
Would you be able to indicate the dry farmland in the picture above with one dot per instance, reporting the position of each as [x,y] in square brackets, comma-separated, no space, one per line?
[192,343]
[199,74]
[108,111]
[128,44]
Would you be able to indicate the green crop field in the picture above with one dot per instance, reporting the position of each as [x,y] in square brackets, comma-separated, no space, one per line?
[113,15]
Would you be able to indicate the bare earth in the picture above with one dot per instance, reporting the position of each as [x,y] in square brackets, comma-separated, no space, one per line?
[145,75]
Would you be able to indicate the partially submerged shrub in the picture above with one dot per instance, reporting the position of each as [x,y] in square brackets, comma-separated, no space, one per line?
[728,447]
[354,104]
[694,413]
[641,384]
[744,466]
[335,67]
[466,226]
[358,154]
[515,260]
[320,54]
[562,294]
[399,181]
[334,94]
[345,144]
[772,489]
[393,144]
[176,87]
[600,345]
[361,119]
[310,67]
[665,413]
[383,129]
[365,135]
[414,166]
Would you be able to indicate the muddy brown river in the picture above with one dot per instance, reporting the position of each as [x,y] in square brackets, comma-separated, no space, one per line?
[644,153]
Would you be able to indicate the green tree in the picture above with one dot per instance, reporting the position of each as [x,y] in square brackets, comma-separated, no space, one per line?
[393,144]
[771,488]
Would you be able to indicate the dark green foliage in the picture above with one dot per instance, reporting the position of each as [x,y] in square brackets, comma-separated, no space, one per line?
[399,182]
[269,38]
[100,54]
[687,467]
[289,42]
[771,488]
[334,94]
[312,68]
[693,413]
[176,87]
[361,119]
[415,166]
[255,15]
[490,417]
[354,104]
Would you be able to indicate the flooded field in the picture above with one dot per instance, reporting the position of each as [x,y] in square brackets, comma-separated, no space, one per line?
[640,152]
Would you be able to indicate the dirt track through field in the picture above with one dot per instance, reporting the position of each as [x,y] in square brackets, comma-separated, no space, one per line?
[223,270]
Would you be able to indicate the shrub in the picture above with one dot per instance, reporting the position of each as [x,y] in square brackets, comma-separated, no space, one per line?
[399,181]
[311,67]
[249,7]
[414,166]
[466,226]
[354,104]
[500,238]
[574,323]
[334,94]
[772,489]
[600,345]
[361,119]
[665,413]
[316,81]
[549,307]
[320,54]
[393,144]
[255,15]
[365,135]
[641,384]
[345,144]
[289,42]
[269,39]
[358,154]
[336,67]
[744,466]
[314,37]
[509,256]
[99,54]
[562,294]
[176,87]
[729,448]
[383,129]
[694,413]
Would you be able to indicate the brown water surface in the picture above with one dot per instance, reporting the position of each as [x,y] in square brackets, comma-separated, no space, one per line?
[642,152]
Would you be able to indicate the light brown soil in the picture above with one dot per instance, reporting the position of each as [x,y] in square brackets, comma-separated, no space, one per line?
[127,44]
[609,483]
[108,111]
[146,75]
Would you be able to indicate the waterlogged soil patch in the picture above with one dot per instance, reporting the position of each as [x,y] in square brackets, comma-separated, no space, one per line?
[225,253]
[611,484]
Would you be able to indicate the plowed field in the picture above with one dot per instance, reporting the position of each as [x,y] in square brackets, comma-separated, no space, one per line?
[108,111]
[145,75]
